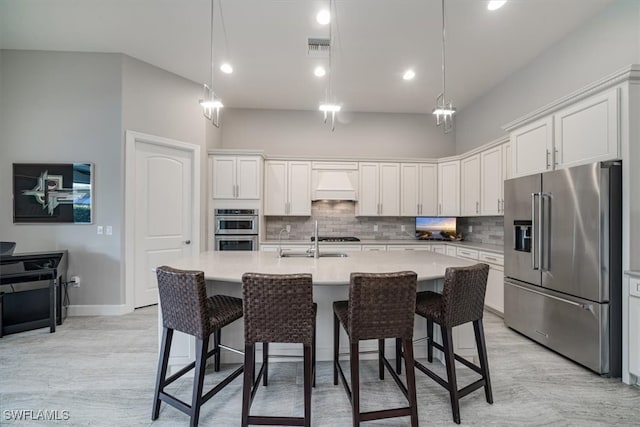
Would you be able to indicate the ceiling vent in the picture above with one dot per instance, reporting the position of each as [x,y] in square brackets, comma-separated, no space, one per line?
[318,47]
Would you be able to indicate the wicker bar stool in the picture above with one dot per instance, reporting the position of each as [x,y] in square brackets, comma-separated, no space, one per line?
[461,301]
[186,308]
[380,306]
[278,308]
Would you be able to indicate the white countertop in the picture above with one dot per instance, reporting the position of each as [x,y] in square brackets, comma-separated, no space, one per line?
[470,245]
[229,266]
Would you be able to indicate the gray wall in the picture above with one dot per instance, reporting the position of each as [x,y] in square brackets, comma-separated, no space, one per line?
[607,43]
[302,133]
[65,107]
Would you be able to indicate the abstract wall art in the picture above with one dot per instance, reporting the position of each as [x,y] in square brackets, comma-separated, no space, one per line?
[52,193]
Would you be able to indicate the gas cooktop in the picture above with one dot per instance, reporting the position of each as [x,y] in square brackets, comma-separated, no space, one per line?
[336,239]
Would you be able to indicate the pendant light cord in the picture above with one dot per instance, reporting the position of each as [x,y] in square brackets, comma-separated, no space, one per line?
[211,44]
[444,70]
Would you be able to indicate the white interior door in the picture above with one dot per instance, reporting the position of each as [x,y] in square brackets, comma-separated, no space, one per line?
[163,213]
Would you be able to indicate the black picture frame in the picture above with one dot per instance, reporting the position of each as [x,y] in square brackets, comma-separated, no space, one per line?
[53,193]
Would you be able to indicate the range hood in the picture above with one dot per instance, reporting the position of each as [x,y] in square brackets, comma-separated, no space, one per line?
[334,181]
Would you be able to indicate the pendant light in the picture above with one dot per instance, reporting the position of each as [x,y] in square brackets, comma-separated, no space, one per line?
[444,111]
[330,106]
[210,105]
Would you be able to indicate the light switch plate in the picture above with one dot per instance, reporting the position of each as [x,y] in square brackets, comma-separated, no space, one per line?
[375,227]
[99,229]
[108,230]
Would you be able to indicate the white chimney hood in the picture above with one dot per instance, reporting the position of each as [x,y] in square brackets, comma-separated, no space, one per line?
[334,181]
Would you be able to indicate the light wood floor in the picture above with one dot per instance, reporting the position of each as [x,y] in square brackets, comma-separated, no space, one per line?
[102,371]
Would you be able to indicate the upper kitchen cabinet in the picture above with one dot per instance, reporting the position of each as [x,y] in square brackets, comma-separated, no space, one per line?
[449,188]
[287,188]
[236,177]
[379,189]
[470,186]
[492,176]
[587,131]
[418,189]
[532,147]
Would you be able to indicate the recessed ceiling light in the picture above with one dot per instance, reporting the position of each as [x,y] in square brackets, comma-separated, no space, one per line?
[323,17]
[319,71]
[409,75]
[496,4]
[226,68]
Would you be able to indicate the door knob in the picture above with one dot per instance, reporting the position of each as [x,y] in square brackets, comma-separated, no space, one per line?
[187,242]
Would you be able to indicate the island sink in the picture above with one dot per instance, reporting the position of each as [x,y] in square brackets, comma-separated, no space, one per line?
[310,255]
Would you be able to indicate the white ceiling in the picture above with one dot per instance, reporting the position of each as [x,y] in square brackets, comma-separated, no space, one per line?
[375,41]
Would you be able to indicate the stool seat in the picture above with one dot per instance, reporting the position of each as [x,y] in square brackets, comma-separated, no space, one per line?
[222,310]
[429,304]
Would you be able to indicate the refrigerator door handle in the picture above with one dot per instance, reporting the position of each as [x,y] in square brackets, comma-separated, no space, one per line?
[588,307]
[533,231]
[540,231]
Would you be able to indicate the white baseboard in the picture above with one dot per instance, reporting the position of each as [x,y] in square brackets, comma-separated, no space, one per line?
[97,310]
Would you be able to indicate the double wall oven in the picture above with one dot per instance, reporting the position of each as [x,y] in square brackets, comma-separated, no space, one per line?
[236,230]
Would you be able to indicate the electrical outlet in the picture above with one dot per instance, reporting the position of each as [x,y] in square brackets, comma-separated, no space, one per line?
[403,228]
[288,227]
[99,228]
[76,281]
[108,230]
[471,229]
[375,227]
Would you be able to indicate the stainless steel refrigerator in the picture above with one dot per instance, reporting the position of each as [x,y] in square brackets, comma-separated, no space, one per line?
[562,265]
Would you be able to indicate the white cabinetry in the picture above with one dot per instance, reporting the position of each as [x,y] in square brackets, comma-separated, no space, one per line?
[470,186]
[492,181]
[494,297]
[451,250]
[374,248]
[418,189]
[287,188]
[506,161]
[236,177]
[439,249]
[532,147]
[449,188]
[634,326]
[587,131]
[379,189]
[409,247]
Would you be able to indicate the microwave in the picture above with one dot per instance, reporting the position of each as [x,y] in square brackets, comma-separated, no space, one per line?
[236,221]
[236,243]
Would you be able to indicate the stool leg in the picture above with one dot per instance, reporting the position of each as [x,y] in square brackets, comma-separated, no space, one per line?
[216,345]
[163,361]
[411,380]
[249,364]
[313,354]
[336,347]
[308,380]
[355,383]
[398,356]
[430,341]
[202,346]
[265,362]
[380,357]
[447,344]
[482,355]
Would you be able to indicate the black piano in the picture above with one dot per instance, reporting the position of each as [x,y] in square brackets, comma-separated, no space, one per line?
[32,289]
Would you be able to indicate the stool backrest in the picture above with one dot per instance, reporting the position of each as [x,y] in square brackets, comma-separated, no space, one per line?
[278,308]
[382,305]
[463,294]
[183,301]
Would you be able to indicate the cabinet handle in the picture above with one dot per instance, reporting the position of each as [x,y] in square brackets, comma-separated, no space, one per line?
[555,157]
[548,163]
[418,208]
[498,205]
[477,207]
[502,205]
[439,208]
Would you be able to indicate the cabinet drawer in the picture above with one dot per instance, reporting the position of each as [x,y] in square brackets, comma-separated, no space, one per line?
[634,287]
[467,253]
[367,248]
[491,258]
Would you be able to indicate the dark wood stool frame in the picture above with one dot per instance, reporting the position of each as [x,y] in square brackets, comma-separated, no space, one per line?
[405,281]
[473,279]
[264,295]
[195,280]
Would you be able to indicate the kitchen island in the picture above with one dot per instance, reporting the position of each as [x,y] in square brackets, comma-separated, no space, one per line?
[223,272]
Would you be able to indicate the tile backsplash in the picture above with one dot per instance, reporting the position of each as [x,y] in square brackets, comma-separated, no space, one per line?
[337,218]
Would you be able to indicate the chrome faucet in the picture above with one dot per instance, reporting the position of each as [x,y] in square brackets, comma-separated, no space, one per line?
[280,242]
[316,246]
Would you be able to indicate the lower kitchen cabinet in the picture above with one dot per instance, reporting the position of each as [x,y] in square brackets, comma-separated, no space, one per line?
[634,326]
[373,248]
[494,297]
[440,249]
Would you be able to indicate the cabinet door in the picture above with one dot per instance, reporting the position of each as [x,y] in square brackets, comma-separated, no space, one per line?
[506,161]
[494,297]
[248,178]
[449,188]
[224,177]
[374,248]
[428,190]
[440,249]
[587,131]
[532,147]
[368,202]
[470,188]
[409,189]
[275,200]
[299,182]
[491,181]
[634,336]
[389,189]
